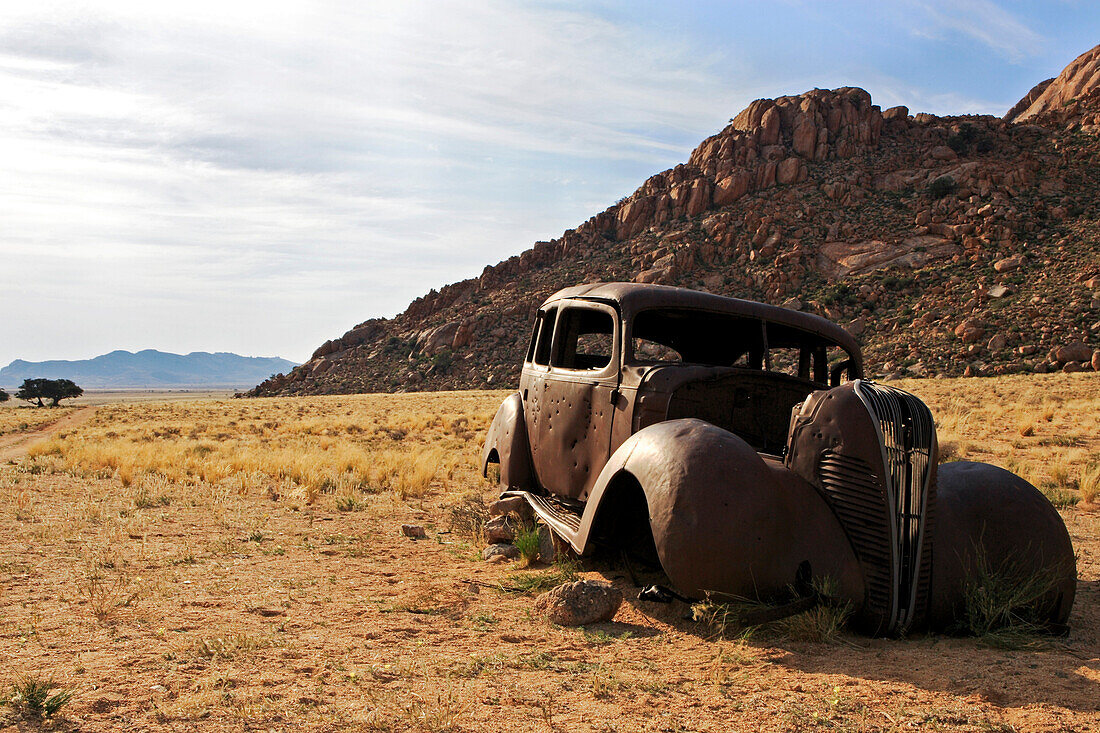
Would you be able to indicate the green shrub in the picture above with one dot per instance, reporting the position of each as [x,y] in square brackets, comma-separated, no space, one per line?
[31,696]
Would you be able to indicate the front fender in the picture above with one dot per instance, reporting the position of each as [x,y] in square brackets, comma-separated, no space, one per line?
[991,522]
[507,440]
[724,519]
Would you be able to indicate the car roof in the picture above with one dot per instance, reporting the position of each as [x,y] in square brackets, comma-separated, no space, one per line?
[635,297]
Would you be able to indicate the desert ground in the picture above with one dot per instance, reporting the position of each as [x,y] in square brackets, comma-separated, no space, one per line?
[211,564]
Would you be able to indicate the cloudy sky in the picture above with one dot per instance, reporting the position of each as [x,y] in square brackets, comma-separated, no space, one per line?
[259,177]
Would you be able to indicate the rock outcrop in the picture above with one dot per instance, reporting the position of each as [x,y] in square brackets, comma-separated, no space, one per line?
[1064,96]
[902,225]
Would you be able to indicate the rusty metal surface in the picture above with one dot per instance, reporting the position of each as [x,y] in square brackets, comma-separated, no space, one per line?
[633,298]
[723,518]
[988,515]
[734,475]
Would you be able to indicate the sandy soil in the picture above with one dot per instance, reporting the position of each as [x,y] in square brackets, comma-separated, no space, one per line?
[241,615]
[166,606]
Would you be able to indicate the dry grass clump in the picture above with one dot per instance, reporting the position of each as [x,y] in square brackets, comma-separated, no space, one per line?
[15,418]
[822,623]
[1004,602]
[297,449]
[1044,428]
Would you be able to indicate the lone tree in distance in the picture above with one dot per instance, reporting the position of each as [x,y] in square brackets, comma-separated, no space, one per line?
[54,390]
[4,396]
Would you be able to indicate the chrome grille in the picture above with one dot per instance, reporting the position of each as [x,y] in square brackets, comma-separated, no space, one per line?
[907,435]
[855,493]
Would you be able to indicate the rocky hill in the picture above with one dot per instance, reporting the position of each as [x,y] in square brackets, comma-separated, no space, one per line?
[948,245]
[150,369]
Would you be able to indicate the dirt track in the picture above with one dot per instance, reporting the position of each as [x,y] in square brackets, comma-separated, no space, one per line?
[16,445]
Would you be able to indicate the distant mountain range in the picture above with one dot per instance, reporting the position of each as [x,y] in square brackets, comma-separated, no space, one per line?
[151,369]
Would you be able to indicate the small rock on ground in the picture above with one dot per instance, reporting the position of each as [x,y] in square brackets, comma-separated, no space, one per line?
[413,531]
[499,529]
[579,603]
[500,550]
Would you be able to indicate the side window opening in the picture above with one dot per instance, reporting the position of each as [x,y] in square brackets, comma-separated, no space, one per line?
[545,336]
[534,338]
[653,351]
[585,340]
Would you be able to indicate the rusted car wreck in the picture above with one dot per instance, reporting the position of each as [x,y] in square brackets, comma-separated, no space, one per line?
[736,442]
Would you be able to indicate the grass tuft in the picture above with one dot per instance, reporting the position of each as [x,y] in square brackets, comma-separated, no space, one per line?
[821,624]
[527,542]
[31,696]
[1004,603]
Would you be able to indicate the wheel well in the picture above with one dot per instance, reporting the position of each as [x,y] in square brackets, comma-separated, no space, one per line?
[622,520]
[492,457]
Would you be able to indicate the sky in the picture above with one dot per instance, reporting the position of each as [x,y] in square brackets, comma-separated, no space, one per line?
[259,177]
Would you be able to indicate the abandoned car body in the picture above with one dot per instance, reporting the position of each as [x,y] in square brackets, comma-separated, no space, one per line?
[735,442]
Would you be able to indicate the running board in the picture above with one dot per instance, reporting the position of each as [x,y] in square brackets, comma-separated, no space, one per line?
[562,517]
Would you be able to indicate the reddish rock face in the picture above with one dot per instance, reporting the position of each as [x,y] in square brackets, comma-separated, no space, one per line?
[1077,81]
[1072,352]
[850,192]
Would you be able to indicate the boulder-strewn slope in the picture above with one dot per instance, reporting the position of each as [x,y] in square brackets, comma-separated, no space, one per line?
[947,244]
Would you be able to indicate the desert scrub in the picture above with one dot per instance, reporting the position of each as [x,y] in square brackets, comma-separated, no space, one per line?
[19,419]
[822,623]
[302,450]
[1004,602]
[527,542]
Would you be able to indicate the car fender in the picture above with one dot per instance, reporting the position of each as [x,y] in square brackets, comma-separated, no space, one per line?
[987,515]
[507,442]
[723,519]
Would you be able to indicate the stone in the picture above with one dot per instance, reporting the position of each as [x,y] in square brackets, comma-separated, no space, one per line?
[499,529]
[579,603]
[1076,351]
[732,187]
[788,171]
[942,152]
[1008,264]
[1073,366]
[997,342]
[999,291]
[433,340]
[413,531]
[512,505]
[502,550]
[840,259]
[970,331]
[856,326]
[547,547]
[1096,360]
[793,303]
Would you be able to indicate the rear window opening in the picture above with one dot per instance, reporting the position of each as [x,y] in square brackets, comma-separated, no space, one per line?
[683,335]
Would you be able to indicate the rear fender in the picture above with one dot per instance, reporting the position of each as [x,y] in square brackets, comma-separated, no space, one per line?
[723,519]
[506,444]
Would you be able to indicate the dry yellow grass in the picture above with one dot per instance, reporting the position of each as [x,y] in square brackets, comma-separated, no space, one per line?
[163,561]
[1045,428]
[16,418]
[302,449]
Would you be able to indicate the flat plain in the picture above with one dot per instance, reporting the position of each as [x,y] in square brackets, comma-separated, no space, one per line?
[238,564]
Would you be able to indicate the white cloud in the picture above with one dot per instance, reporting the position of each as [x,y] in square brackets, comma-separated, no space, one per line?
[986,22]
[311,164]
